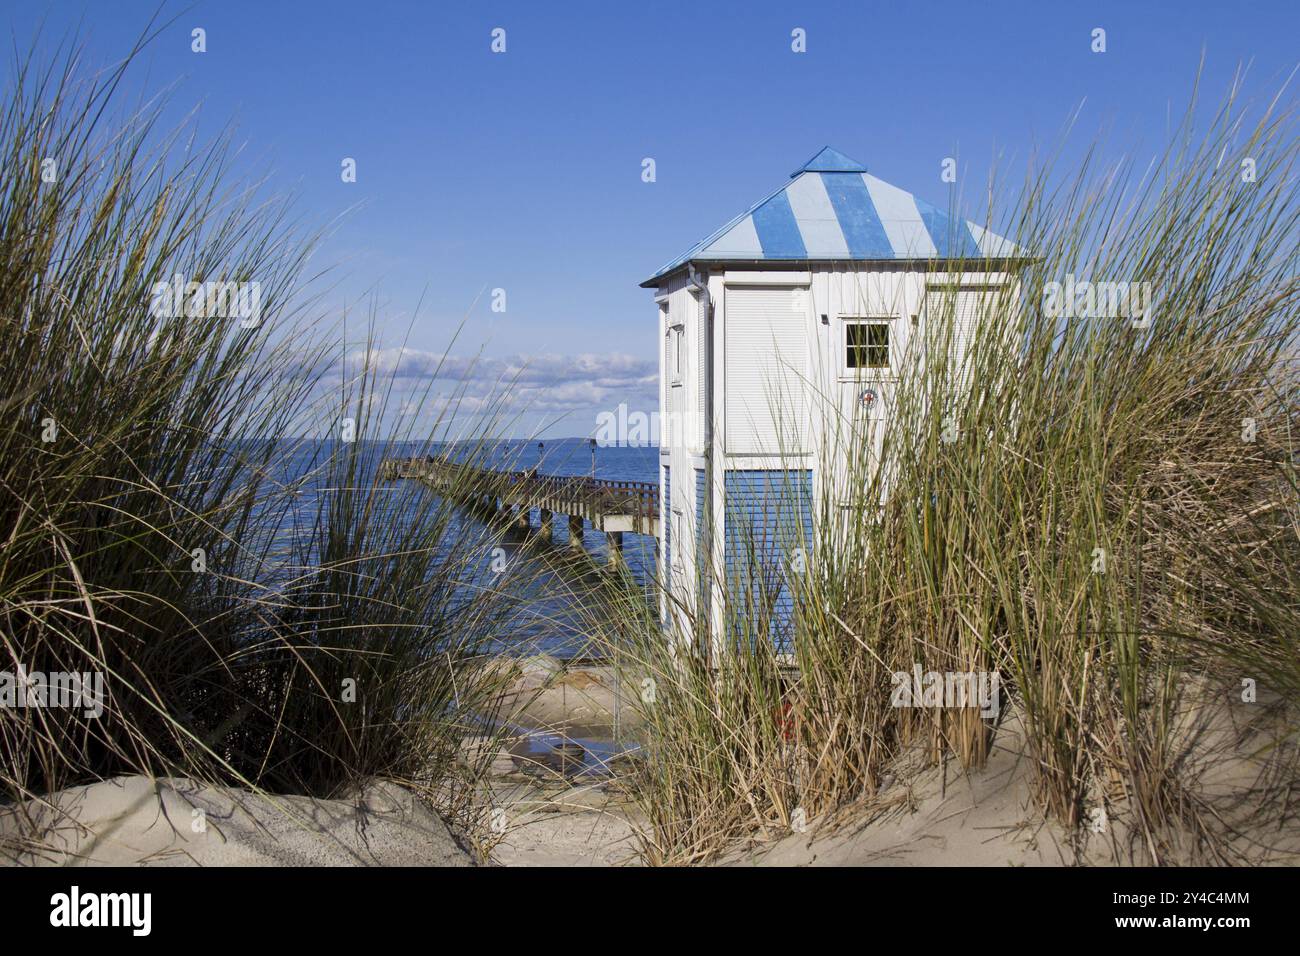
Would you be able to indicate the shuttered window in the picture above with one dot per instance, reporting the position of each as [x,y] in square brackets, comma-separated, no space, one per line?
[953,316]
[768,521]
[703,558]
[765,372]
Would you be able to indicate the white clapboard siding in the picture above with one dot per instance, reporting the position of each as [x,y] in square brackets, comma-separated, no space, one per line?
[765,370]
[667,425]
[698,372]
[675,426]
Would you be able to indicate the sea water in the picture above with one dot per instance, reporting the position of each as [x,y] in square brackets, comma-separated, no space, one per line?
[548,621]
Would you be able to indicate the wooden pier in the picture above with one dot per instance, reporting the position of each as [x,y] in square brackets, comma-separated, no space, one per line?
[612,507]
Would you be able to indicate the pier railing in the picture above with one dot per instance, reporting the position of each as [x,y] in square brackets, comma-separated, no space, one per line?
[611,506]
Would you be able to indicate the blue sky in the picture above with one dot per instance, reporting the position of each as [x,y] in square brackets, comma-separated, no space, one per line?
[522,170]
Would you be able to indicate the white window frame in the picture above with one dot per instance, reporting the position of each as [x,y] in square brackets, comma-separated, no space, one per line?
[675,347]
[886,371]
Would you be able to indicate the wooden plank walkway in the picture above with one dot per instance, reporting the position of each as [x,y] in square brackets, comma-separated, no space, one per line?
[613,507]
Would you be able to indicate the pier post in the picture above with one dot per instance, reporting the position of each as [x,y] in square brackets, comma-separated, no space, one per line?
[615,539]
[544,524]
[575,531]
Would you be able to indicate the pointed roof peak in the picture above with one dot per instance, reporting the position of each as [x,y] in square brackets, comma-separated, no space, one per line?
[830,161]
[837,213]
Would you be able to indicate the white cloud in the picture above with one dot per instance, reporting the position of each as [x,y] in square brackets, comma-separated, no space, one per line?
[549,383]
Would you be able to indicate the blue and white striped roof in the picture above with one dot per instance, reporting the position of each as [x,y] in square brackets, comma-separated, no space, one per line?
[833,209]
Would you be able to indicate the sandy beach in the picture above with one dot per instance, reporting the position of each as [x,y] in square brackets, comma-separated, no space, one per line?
[540,810]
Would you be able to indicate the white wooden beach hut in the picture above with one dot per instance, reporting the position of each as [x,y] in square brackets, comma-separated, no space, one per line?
[811,293]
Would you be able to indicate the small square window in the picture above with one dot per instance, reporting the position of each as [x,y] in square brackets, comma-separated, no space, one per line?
[866,345]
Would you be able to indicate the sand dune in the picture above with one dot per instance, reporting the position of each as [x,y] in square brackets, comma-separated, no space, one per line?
[134,820]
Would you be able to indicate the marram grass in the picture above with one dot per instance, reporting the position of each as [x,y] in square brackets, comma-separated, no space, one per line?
[189,505]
